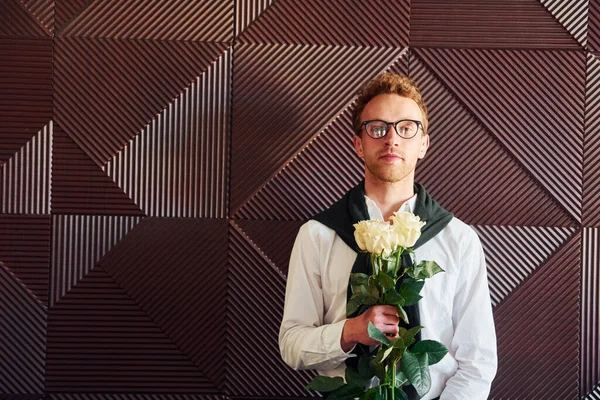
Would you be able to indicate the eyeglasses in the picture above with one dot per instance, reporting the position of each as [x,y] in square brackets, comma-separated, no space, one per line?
[405,128]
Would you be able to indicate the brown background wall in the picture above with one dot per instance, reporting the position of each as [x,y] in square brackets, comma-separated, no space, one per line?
[158,156]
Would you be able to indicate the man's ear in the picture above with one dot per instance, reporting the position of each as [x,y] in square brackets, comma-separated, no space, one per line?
[424,146]
[358,146]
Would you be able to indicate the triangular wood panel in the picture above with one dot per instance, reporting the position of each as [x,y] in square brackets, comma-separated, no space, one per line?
[100,341]
[79,186]
[473,173]
[176,271]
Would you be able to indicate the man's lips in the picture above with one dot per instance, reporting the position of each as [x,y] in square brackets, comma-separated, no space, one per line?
[390,157]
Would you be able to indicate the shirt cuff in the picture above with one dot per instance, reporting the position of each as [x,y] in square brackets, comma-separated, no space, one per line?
[333,335]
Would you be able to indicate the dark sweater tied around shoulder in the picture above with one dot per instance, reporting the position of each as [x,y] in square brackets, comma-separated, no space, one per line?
[352,208]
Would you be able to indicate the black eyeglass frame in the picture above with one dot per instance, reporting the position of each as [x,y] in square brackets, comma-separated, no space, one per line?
[394,124]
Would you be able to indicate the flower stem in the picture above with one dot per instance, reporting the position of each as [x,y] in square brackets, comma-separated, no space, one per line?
[393,378]
[374,263]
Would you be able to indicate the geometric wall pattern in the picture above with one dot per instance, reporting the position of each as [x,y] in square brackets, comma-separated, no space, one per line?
[26,176]
[158,157]
[78,242]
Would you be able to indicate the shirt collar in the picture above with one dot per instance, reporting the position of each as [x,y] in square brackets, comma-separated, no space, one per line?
[375,212]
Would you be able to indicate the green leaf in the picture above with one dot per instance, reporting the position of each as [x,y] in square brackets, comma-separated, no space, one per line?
[402,314]
[376,334]
[425,269]
[370,300]
[385,281]
[416,369]
[325,383]
[377,359]
[398,343]
[387,352]
[359,279]
[379,368]
[365,369]
[371,394]
[397,353]
[355,301]
[353,378]
[409,290]
[393,298]
[399,394]
[372,287]
[346,392]
[435,350]
[408,334]
[401,379]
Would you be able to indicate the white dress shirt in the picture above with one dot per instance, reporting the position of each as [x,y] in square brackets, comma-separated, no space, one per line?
[455,309]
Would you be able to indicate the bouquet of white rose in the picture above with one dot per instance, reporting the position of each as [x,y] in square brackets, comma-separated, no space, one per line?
[402,361]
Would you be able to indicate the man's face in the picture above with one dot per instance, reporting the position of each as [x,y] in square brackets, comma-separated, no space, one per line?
[391,158]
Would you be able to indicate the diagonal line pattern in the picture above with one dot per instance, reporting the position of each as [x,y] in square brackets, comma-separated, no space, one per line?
[545,313]
[79,186]
[513,253]
[299,104]
[187,20]
[176,271]
[591,172]
[528,108]
[485,166]
[490,24]
[248,11]
[594,394]
[317,176]
[23,340]
[65,10]
[43,10]
[273,238]
[573,15]
[26,177]
[100,341]
[131,396]
[255,307]
[78,243]
[107,90]
[177,166]
[594,26]
[26,87]
[590,310]
[339,23]
[16,20]
[25,250]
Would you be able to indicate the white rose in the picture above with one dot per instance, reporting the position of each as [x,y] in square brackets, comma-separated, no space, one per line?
[408,228]
[377,237]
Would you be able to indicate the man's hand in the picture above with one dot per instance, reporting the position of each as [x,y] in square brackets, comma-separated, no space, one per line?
[385,318]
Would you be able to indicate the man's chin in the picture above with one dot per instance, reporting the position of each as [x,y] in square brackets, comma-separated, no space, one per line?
[387,177]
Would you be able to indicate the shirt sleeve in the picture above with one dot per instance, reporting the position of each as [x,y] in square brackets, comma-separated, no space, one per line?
[474,341]
[305,342]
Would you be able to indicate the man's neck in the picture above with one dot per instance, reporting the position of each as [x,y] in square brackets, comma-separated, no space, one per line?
[389,196]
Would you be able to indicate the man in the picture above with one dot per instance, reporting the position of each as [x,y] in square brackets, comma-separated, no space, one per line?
[390,123]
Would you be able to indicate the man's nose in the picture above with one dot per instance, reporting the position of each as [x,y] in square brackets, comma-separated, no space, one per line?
[391,137]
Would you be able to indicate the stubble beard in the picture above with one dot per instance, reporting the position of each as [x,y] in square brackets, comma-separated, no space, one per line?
[388,173]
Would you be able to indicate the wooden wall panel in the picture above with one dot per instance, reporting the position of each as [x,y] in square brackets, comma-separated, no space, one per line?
[157,158]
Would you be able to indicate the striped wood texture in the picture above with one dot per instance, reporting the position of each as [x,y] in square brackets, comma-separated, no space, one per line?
[158,156]
[26,63]
[23,320]
[26,177]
